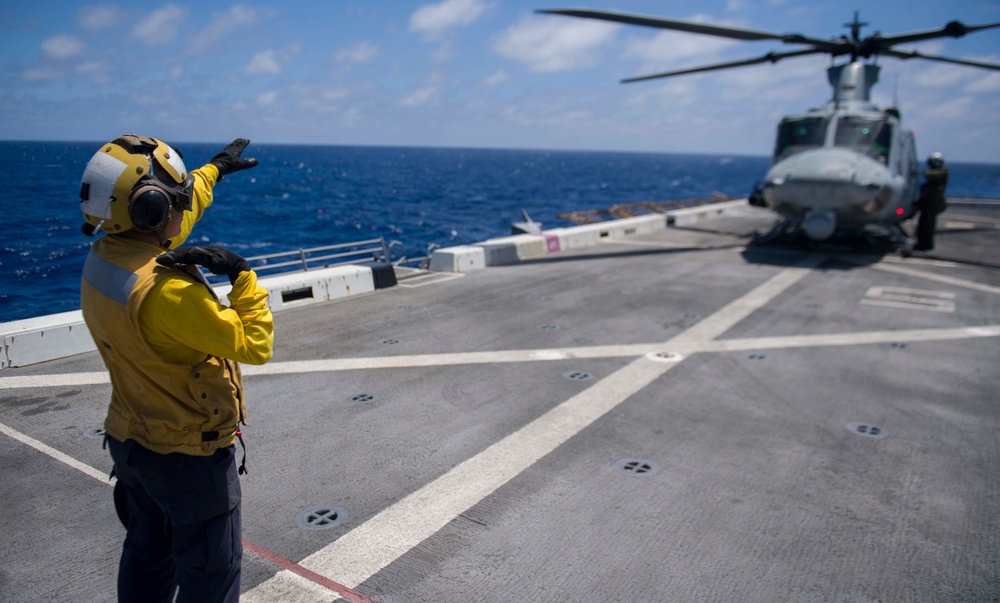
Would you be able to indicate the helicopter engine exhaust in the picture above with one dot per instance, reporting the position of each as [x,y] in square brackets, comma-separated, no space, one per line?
[819,224]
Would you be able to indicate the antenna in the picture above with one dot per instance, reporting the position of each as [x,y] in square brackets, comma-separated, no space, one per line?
[855,27]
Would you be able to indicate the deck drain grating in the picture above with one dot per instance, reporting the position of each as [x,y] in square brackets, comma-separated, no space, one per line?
[321,517]
[757,356]
[665,356]
[638,467]
[578,376]
[548,327]
[361,399]
[868,430]
[390,341]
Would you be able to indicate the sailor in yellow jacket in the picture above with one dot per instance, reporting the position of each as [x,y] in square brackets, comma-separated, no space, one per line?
[172,350]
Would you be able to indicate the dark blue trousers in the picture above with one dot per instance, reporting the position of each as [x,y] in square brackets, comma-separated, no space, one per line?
[182,514]
[926,225]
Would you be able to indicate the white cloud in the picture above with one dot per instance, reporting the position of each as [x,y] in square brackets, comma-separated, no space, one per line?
[270,61]
[670,95]
[268,99]
[222,24]
[987,82]
[353,116]
[265,62]
[101,16]
[362,52]
[949,109]
[497,78]
[161,26]
[433,19]
[95,71]
[941,76]
[669,48]
[418,97]
[41,74]
[62,46]
[175,74]
[552,116]
[549,44]
[332,94]
[444,52]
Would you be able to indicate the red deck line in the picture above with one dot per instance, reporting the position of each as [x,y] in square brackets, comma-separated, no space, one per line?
[347,593]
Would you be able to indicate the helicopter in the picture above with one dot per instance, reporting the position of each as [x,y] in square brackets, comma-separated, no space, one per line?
[842,167]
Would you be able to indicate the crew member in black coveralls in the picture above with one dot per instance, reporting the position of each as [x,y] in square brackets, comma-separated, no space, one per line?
[931,201]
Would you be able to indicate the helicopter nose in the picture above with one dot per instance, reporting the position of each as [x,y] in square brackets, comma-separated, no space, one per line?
[828,179]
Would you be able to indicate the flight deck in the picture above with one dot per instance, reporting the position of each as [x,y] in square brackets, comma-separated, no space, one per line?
[664,416]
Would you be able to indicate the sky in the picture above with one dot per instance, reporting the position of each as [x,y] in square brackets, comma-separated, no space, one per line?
[470,73]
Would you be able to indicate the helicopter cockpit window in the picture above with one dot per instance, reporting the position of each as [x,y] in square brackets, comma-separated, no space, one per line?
[872,137]
[797,135]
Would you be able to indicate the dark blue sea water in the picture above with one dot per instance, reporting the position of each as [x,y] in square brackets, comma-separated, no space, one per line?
[307,196]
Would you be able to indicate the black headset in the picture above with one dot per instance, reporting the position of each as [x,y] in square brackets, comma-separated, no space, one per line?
[148,206]
[150,201]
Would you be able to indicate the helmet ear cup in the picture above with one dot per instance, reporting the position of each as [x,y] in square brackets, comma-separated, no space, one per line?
[149,208]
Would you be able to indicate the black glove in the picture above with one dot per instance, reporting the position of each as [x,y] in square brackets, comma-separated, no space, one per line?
[229,160]
[216,259]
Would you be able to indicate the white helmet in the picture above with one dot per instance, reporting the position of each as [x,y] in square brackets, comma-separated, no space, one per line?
[132,182]
[936,160]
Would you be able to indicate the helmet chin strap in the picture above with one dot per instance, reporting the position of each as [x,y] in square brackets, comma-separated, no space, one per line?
[161,233]
[156,237]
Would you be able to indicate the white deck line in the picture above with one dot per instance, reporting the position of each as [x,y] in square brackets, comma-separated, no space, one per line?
[390,534]
[57,455]
[938,278]
[610,351]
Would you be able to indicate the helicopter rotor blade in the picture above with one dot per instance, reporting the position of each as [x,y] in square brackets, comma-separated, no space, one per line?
[690,27]
[954,29]
[913,54]
[770,57]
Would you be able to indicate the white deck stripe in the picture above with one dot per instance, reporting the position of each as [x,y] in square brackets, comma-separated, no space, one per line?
[290,588]
[609,351]
[732,314]
[938,278]
[59,456]
[843,339]
[56,380]
[390,534]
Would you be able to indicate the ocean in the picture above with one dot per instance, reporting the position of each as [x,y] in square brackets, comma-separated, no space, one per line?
[308,196]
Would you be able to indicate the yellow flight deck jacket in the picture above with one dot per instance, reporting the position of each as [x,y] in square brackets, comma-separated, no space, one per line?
[171,347]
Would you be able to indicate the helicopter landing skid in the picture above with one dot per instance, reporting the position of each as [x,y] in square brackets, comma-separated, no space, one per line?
[777,231]
[900,239]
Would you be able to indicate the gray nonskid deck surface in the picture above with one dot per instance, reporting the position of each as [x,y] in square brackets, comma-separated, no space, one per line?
[475,432]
